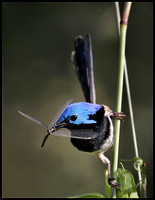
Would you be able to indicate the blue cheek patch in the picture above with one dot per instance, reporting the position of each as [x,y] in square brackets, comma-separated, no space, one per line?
[83,111]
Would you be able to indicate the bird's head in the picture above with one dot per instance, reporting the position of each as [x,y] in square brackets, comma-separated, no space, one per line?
[80,113]
[78,116]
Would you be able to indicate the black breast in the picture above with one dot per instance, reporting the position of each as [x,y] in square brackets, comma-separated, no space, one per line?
[101,128]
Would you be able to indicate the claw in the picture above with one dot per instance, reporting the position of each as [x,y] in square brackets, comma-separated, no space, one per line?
[113,184]
[118,115]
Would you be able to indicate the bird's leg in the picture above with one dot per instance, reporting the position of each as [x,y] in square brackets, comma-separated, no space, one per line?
[106,161]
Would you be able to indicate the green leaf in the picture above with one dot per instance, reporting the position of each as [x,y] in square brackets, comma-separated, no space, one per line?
[128,187]
[90,195]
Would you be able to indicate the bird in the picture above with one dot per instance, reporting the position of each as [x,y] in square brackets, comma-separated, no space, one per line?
[90,124]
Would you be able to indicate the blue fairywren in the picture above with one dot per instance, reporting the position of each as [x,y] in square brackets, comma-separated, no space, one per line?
[89,124]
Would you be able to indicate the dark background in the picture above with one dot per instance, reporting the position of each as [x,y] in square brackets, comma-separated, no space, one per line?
[38,78]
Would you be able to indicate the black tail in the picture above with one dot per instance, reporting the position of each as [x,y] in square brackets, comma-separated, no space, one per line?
[83,62]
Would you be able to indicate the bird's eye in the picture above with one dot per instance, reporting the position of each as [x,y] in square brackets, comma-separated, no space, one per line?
[73,117]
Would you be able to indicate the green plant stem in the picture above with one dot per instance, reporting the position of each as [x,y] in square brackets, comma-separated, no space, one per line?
[119,102]
[119,96]
[129,101]
[123,29]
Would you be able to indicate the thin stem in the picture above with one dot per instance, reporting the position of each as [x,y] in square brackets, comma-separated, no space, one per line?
[123,29]
[119,97]
[128,91]
[129,98]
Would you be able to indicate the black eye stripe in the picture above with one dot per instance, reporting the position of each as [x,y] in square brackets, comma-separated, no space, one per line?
[73,117]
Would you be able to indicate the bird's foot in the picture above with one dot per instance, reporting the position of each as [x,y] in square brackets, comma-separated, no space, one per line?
[112,183]
[118,115]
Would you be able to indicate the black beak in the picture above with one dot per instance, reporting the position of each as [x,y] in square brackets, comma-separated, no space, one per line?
[52,129]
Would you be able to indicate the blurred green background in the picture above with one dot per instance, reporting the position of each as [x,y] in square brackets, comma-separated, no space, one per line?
[38,78]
